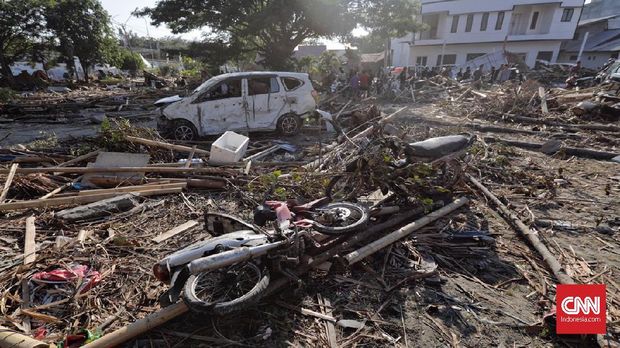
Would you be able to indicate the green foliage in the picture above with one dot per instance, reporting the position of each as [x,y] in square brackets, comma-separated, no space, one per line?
[271,28]
[22,29]
[131,61]
[81,28]
[6,95]
[328,62]
[169,70]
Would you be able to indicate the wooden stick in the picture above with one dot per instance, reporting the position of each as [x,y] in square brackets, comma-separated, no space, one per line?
[174,231]
[80,158]
[190,157]
[138,327]
[14,339]
[168,146]
[9,180]
[402,232]
[54,202]
[543,100]
[29,241]
[525,232]
[82,170]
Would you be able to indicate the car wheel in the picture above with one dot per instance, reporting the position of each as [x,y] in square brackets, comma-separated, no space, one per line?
[289,124]
[184,130]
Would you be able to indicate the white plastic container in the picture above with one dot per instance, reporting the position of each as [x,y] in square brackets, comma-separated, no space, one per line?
[229,148]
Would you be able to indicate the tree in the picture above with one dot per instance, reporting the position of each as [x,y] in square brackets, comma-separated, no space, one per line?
[271,28]
[82,29]
[22,26]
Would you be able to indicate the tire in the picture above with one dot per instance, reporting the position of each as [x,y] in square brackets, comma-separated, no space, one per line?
[184,130]
[357,222]
[289,124]
[240,301]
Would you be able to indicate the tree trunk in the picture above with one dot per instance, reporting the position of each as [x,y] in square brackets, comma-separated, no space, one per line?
[85,65]
[6,71]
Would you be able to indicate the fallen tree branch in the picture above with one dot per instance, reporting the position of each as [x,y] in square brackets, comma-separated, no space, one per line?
[532,237]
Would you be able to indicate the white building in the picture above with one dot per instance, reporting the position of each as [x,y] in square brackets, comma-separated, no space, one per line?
[465,29]
[598,33]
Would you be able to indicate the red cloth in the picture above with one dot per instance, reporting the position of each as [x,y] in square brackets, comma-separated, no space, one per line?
[364,79]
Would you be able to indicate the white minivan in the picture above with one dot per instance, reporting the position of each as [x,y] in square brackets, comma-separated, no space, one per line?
[246,101]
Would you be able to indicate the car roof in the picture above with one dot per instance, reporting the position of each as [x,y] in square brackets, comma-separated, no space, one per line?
[218,78]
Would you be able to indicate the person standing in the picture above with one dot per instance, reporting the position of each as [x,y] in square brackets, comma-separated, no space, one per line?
[364,83]
[478,73]
[355,84]
[467,74]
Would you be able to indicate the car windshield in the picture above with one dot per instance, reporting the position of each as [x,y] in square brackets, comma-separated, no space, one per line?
[210,82]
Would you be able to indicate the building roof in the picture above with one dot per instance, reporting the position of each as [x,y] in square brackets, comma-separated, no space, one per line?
[603,42]
[596,20]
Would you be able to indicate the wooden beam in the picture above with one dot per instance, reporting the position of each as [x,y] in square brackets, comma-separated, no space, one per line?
[174,231]
[543,100]
[9,180]
[125,189]
[190,157]
[179,148]
[55,202]
[82,170]
[29,241]
[80,158]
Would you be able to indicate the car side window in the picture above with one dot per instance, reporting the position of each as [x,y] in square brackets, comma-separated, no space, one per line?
[230,88]
[263,85]
[291,83]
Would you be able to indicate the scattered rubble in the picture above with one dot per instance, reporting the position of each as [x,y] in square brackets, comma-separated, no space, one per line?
[85,219]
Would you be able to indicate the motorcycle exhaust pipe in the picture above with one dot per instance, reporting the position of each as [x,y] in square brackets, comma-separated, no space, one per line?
[231,257]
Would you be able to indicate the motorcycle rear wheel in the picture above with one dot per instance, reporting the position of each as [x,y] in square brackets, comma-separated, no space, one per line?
[351,218]
[226,290]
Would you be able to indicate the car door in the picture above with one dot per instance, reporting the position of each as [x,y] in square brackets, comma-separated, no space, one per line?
[221,107]
[265,98]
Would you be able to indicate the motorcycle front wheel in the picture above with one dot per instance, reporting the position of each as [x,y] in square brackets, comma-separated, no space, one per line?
[226,290]
[340,218]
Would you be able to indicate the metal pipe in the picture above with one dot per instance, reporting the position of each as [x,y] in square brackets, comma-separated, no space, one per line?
[402,232]
[227,258]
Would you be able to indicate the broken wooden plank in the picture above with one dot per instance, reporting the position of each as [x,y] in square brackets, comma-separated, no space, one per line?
[125,189]
[163,145]
[80,158]
[9,180]
[306,311]
[543,100]
[174,231]
[29,241]
[55,202]
[98,209]
[190,157]
[332,337]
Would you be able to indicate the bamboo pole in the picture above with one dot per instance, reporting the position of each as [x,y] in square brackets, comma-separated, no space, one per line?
[402,232]
[9,180]
[139,327]
[168,146]
[13,339]
[525,232]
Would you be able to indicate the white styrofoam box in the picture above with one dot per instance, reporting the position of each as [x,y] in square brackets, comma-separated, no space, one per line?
[229,148]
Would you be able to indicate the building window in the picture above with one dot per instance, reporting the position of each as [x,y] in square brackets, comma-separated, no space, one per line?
[470,22]
[455,24]
[534,21]
[545,55]
[567,15]
[421,61]
[448,59]
[500,21]
[484,22]
[572,58]
[472,56]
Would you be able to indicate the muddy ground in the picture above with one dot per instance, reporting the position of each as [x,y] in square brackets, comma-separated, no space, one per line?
[480,298]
